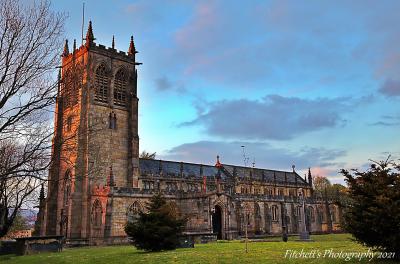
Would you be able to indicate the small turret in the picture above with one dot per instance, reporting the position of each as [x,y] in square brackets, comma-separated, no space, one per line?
[66,49]
[74,46]
[218,164]
[309,177]
[132,49]
[89,35]
[41,195]
[113,43]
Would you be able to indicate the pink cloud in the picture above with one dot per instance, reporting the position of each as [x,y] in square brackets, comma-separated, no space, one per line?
[322,171]
[195,35]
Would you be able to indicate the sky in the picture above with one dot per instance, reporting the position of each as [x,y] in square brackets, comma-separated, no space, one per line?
[311,83]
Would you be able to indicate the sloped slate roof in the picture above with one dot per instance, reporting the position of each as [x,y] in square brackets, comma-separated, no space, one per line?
[172,169]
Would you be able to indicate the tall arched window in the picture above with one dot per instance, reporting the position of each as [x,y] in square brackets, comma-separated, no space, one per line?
[267,210]
[133,212]
[320,215]
[257,210]
[67,186]
[274,213]
[120,83]
[333,213]
[312,214]
[101,91]
[97,214]
[298,212]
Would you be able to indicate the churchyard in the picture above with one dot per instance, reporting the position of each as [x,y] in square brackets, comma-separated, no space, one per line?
[332,248]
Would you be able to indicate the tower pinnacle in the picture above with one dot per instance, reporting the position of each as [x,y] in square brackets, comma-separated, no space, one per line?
[41,196]
[218,164]
[309,177]
[89,35]
[66,49]
[132,49]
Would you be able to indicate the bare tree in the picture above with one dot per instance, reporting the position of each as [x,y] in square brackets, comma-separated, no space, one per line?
[147,155]
[30,42]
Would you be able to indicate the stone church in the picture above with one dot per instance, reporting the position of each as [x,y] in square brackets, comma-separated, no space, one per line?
[97,182]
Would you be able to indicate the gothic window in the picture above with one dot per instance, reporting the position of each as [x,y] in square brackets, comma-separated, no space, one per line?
[268,191]
[133,212]
[299,213]
[312,214]
[321,216]
[97,214]
[101,90]
[333,213]
[67,186]
[148,185]
[274,213]
[192,187]
[280,192]
[120,84]
[257,211]
[169,187]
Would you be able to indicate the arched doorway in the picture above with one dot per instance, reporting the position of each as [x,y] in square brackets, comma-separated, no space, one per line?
[217,222]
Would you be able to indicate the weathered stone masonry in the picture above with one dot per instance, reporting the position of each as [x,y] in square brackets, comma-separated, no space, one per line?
[97,181]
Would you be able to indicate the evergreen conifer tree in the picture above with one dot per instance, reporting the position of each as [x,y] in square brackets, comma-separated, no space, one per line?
[373,216]
[158,229]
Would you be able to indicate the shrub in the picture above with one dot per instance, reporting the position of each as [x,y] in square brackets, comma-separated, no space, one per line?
[158,229]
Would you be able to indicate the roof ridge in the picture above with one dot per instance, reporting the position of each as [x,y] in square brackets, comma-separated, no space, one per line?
[223,164]
[178,162]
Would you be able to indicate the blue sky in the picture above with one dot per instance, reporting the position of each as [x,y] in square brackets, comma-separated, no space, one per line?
[310,83]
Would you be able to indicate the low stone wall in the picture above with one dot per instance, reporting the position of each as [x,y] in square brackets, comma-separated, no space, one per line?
[31,245]
[201,238]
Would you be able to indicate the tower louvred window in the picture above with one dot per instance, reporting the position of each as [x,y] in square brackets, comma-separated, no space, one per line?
[120,84]
[101,93]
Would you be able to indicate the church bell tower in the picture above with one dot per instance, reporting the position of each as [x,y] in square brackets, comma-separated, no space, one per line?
[96,142]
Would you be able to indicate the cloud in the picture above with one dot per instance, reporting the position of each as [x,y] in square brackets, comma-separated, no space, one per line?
[390,88]
[388,121]
[272,117]
[246,43]
[382,123]
[265,155]
[165,84]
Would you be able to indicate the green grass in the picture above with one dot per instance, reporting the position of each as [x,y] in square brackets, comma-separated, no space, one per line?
[229,252]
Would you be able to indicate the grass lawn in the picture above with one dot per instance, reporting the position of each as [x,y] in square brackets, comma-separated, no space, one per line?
[218,252]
